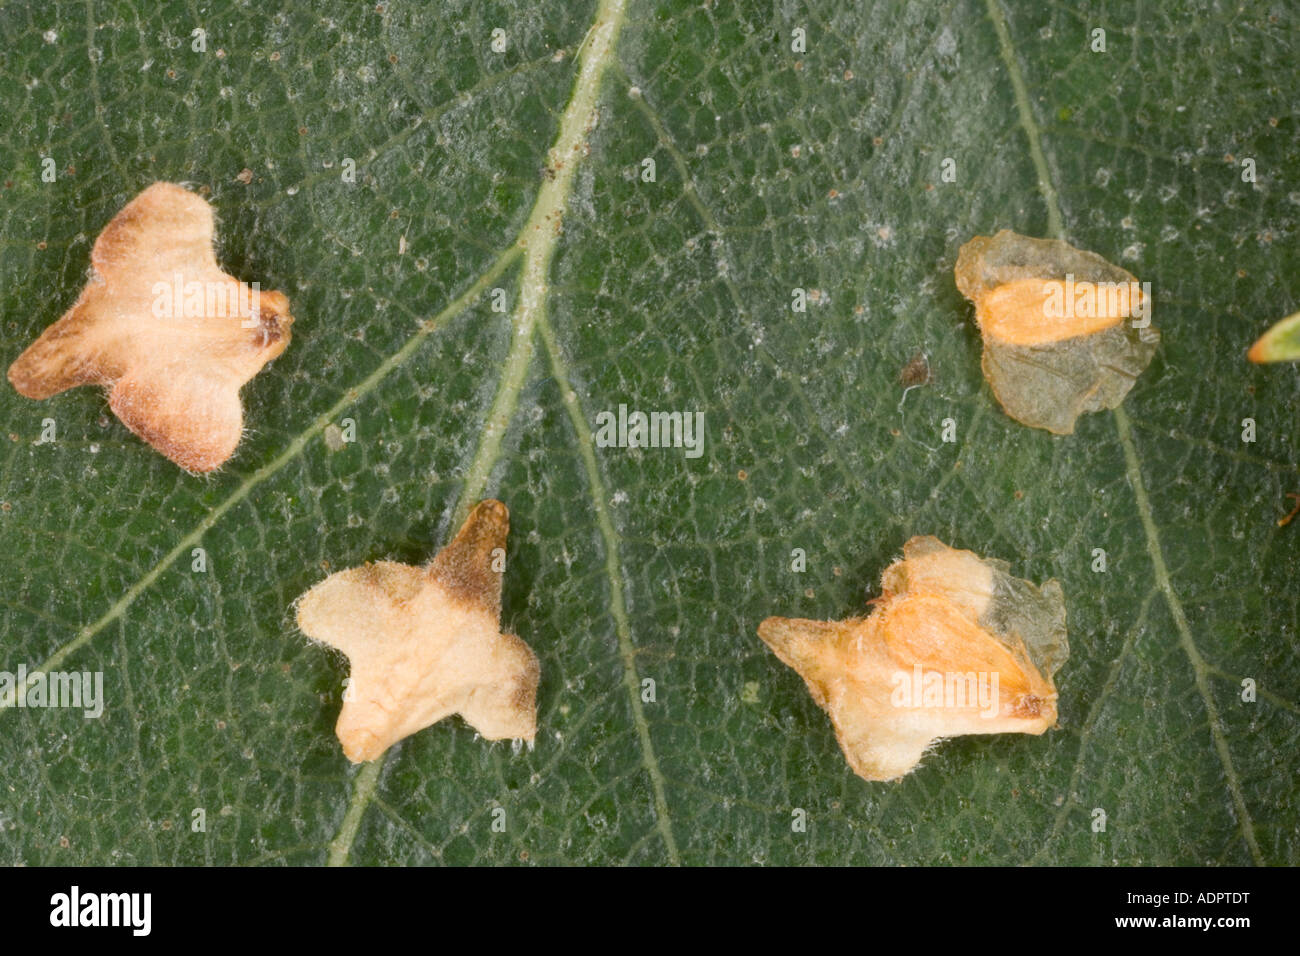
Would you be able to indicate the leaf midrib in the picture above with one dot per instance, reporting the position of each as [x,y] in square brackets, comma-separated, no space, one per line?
[539,238]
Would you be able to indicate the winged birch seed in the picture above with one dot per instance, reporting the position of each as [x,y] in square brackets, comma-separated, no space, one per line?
[956,645]
[1281,343]
[425,643]
[170,335]
[1065,332]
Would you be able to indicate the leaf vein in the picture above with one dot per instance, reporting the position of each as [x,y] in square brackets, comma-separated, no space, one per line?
[1132,464]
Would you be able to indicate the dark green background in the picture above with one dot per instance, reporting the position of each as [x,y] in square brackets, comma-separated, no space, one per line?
[776,170]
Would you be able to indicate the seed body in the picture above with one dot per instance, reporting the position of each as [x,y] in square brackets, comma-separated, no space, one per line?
[1065,332]
[955,646]
[170,334]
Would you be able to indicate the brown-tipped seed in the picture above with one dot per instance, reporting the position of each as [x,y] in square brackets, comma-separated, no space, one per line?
[425,643]
[172,336]
[1065,332]
[955,646]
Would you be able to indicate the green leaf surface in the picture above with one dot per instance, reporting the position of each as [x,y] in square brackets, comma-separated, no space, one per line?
[775,170]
